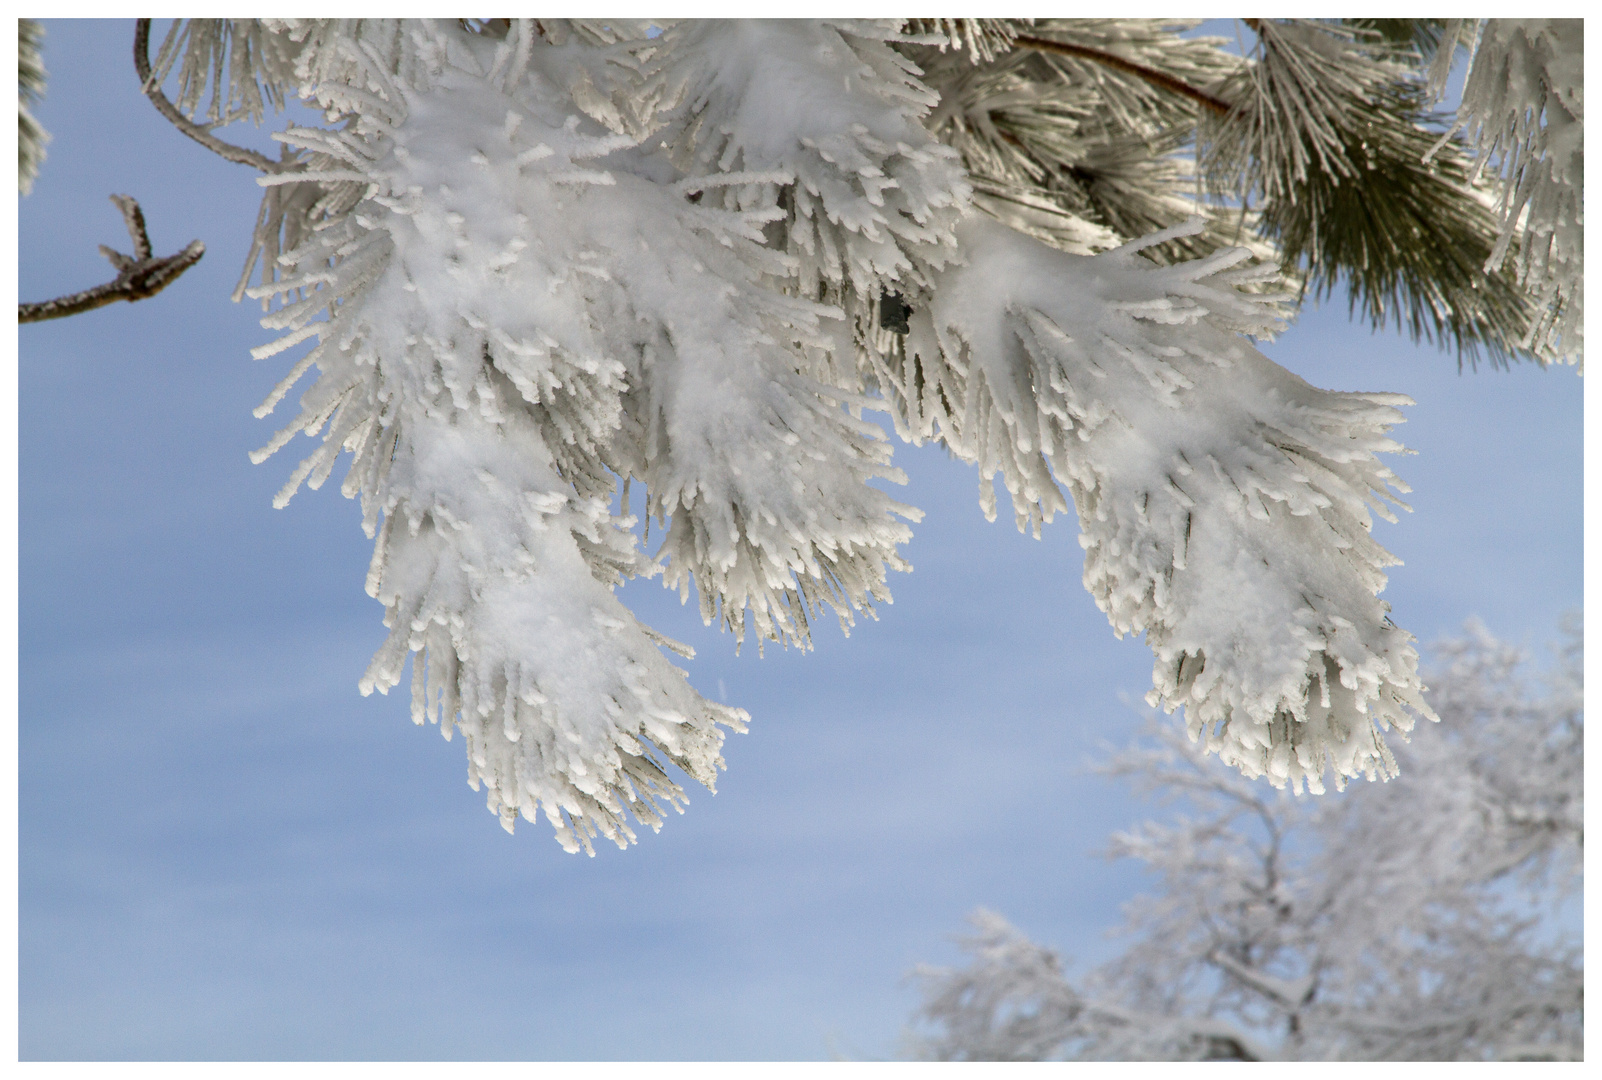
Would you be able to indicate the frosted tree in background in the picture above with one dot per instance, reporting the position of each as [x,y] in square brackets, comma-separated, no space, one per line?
[541,262]
[1285,928]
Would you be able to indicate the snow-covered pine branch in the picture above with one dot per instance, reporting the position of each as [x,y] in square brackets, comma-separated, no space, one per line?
[1330,140]
[1524,105]
[492,376]
[870,198]
[1224,504]
[543,259]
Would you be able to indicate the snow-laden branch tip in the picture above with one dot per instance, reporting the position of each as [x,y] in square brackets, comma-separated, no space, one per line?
[1224,504]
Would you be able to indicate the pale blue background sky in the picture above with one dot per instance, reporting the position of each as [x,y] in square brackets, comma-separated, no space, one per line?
[226,852]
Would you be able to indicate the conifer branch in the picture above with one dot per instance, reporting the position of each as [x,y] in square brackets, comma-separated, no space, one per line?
[1157,78]
[31,135]
[152,89]
[966,237]
[139,276]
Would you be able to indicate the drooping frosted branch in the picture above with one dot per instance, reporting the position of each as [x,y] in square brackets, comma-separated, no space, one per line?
[540,257]
[460,370]
[521,308]
[1224,504]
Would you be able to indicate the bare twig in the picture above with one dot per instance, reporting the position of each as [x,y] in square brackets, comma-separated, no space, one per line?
[139,275]
[152,89]
[1157,78]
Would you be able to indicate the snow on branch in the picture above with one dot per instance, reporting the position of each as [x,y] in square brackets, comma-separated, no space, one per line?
[493,380]
[1224,504]
[31,135]
[139,276]
[872,197]
[537,259]
[459,370]
[1012,1003]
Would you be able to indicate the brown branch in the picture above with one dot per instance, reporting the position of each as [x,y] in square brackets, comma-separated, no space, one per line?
[152,90]
[139,276]
[1157,78]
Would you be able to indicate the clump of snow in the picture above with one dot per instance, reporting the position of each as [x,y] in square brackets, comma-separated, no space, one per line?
[871,198]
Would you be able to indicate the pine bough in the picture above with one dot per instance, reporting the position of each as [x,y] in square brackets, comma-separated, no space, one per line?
[1524,103]
[542,262]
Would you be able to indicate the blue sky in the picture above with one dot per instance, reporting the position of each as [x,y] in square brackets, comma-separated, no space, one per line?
[226,852]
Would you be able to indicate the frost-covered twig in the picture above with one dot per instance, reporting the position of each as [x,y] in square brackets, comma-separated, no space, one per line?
[139,276]
[1214,105]
[152,90]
